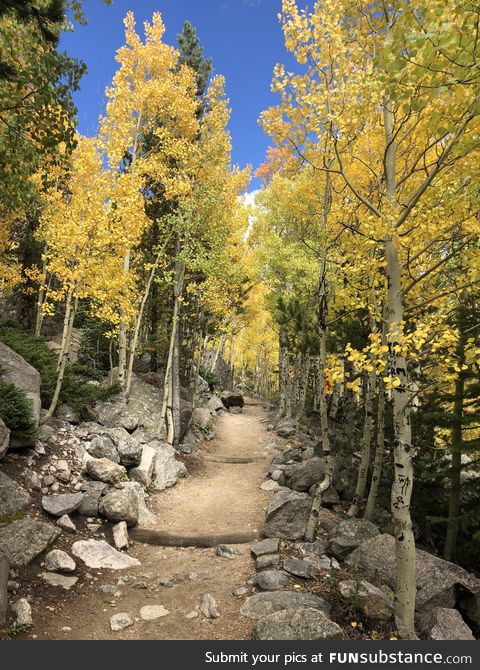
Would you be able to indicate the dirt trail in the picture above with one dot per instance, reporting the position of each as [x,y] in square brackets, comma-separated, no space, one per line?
[216,497]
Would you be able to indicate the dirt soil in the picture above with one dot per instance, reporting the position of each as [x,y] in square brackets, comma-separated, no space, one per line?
[216,497]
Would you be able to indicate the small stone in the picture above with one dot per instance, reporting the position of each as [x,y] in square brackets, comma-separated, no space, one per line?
[307,548]
[191,615]
[267,560]
[139,586]
[98,554]
[303,624]
[63,581]
[120,621]
[120,505]
[225,552]
[23,612]
[271,580]
[108,589]
[241,591]
[59,561]
[208,607]
[165,582]
[102,446]
[299,568]
[268,546]
[67,524]
[44,434]
[105,470]
[270,485]
[33,480]
[153,612]
[120,535]
[61,504]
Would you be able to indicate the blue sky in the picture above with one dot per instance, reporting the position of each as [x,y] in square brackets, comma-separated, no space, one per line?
[243,38]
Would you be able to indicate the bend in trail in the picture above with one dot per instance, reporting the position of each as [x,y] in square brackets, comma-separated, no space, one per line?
[220,497]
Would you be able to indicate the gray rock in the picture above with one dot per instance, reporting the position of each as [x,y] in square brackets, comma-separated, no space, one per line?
[15,370]
[104,470]
[153,612]
[287,515]
[301,476]
[23,613]
[13,498]
[63,473]
[129,421]
[223,551]
[67,524]
[67,413]
[63,581]
[33,480]
[102,446]
[24,539]
[271,580]
[439,583]
[120,535]
[129,450]
[303,624]
[120,621]
[120,505]
[263,604]
[375,603]
[349,535]
[287,428]
[328,520]
[92,492]
[4,439]
[62,503]
[269,546]
[322,563]
[208,607]
[441,623]
[307,548]
[98,554]
[167,468]
[143,473]
[202,421]
[59,561]
[215,404]
[146,518]
[299,568]
[270,485]
[240,592]
[45,433]
[267,560]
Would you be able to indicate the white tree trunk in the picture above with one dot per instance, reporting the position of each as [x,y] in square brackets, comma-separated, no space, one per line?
[361,487]
[403,451]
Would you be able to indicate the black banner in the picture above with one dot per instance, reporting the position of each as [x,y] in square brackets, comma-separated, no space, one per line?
[215,655]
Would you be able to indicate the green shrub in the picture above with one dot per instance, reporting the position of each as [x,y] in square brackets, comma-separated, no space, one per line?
[210,377]
[16,410]
[76,390]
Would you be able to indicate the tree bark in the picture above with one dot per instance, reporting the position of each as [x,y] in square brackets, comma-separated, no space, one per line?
[70,312]
[303,387]
[369,381]
[122,333]
[138,323]
[379,452]
[403,452]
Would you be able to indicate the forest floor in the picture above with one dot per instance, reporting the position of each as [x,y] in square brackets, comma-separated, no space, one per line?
[216,497]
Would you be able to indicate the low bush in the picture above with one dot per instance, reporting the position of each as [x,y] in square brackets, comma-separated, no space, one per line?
[76,389]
